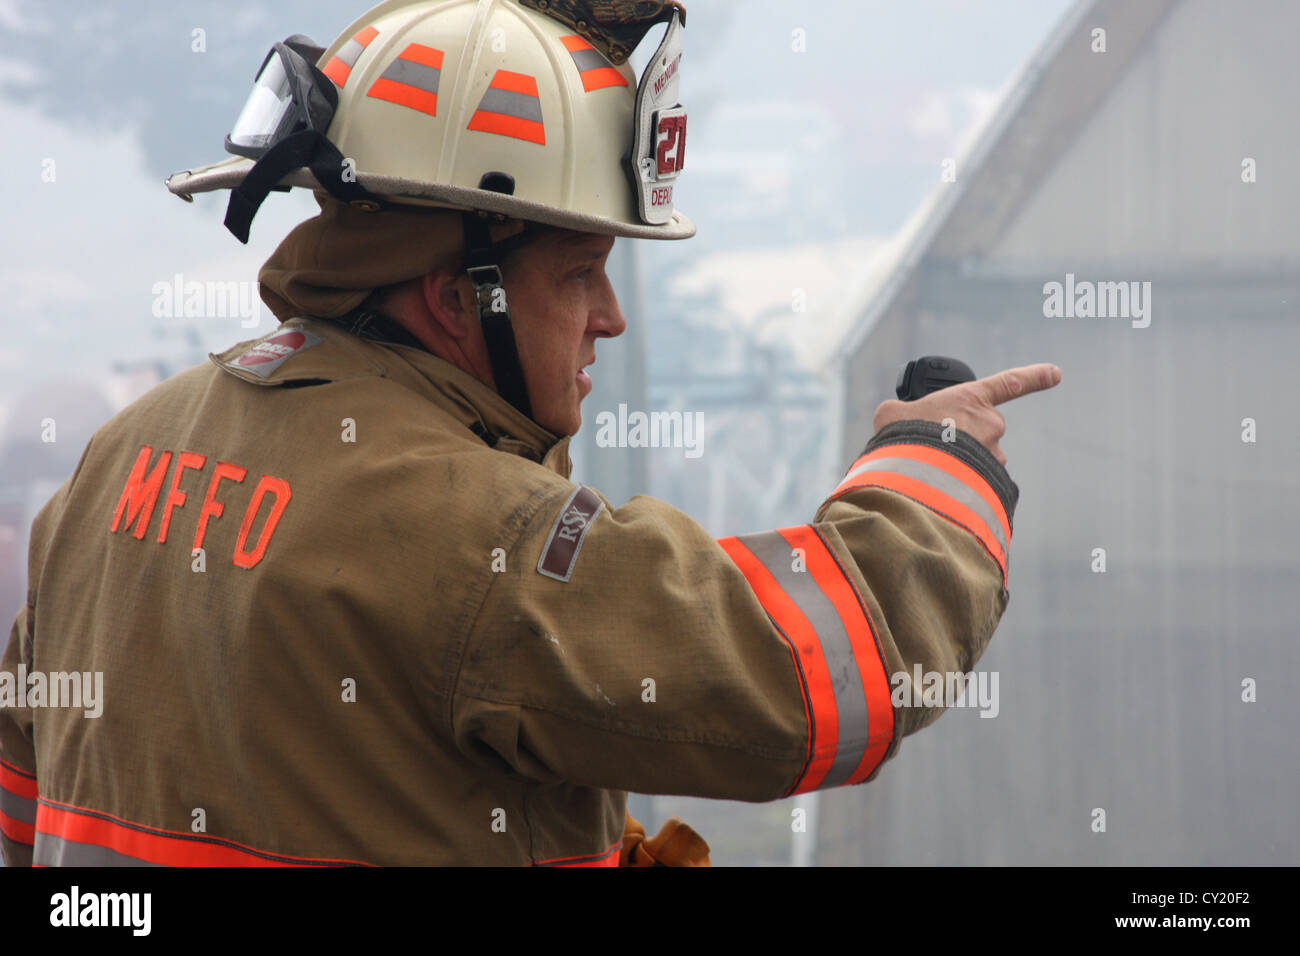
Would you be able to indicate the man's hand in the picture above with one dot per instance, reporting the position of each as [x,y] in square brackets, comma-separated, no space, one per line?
[971,405]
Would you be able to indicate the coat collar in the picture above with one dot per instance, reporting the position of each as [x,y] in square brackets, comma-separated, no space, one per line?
[316,350]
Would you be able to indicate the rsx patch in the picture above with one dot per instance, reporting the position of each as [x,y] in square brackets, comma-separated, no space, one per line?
[560,553]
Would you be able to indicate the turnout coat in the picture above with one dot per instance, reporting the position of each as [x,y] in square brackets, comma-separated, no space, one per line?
[346,606]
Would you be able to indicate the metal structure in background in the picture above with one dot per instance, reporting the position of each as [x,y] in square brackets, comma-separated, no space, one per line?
[1162,162]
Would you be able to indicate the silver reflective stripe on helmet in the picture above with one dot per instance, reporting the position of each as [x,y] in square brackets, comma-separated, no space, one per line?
[410,73]
[508,103]
[339,68]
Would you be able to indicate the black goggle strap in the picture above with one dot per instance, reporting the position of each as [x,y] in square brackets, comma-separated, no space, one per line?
[309,148]
[482,264]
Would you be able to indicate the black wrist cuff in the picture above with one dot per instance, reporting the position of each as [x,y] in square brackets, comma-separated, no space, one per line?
[965,447]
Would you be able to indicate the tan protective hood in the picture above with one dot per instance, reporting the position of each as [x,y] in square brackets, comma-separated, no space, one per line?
[329,265]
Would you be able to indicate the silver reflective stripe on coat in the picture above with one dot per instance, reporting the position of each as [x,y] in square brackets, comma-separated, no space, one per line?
[51,850]
[940,480]
[774,552]
[16,807]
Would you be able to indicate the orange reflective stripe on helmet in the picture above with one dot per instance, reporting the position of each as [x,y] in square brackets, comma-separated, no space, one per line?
[595,70]
[412,79]
[511,107]
[339,68]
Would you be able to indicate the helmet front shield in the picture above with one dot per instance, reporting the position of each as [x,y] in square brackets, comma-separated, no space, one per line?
[290,94]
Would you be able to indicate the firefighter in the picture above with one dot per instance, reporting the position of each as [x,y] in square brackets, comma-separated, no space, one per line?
[345,603]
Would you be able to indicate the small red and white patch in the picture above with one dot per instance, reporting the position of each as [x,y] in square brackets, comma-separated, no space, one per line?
[265,357]
[282,346]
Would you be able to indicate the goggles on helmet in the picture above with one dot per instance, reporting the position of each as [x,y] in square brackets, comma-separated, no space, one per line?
[282,126]
[290,95]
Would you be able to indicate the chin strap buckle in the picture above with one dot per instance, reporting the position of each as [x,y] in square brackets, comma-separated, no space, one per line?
[490,287]
[484,271]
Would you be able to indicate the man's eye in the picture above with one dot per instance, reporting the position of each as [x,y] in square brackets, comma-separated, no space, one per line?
[583,275]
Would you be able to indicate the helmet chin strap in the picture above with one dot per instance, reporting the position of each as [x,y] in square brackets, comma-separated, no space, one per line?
[483,265]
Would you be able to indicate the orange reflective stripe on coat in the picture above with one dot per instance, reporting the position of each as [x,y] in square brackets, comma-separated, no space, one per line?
[17,804]
[810,598]
[942,483]
[605,858]
[75,836]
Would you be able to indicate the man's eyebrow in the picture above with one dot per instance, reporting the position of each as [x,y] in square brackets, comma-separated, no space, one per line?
[587,246]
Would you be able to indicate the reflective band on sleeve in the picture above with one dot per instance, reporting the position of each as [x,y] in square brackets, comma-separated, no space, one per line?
[412,79]
[511,107]
[84,837]
[339,68]
[17,804]
[597,73]
[942,483]
[862,663]
[809,596]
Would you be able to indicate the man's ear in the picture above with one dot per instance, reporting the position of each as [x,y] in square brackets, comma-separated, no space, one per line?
[449,297]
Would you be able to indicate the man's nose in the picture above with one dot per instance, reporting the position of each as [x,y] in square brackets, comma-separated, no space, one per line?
[607,317]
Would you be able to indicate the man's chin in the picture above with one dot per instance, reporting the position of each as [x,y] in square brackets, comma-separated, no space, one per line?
[575,415]
[563,426]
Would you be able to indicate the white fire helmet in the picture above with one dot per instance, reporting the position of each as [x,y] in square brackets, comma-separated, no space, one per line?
[520,109]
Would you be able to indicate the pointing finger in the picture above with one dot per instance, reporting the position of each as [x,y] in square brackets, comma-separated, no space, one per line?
[1017,382]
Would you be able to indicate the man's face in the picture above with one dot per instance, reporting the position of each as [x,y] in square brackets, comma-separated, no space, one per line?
[561,301]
